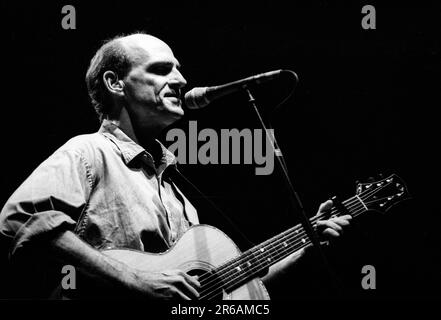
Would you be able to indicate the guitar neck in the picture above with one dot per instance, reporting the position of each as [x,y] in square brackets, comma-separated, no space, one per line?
[266,254]
[375,195]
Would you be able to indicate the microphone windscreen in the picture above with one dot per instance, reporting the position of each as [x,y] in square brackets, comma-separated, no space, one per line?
[196,98]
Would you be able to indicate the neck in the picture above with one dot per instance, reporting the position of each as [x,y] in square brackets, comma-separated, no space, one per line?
[145,136]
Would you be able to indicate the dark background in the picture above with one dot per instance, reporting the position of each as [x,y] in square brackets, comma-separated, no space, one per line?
[365,104]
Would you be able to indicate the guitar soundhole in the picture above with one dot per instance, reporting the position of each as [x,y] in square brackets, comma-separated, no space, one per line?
[211,285]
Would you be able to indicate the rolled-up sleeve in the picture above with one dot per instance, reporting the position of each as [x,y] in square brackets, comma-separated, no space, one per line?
[52,198]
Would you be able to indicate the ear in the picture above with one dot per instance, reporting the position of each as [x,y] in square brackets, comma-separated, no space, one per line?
[113,84]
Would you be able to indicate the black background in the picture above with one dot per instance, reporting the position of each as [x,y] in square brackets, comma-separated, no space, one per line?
[366,104]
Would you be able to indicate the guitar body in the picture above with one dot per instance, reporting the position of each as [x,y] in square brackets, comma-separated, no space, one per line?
[201,248]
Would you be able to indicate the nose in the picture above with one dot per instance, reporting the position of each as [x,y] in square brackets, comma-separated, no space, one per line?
[177,79]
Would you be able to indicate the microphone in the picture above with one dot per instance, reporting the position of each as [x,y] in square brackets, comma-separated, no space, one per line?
[198,98]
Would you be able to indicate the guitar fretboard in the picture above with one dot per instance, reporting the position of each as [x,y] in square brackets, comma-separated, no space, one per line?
[253,261]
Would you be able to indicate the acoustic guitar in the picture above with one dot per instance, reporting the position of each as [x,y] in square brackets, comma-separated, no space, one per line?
[227,273]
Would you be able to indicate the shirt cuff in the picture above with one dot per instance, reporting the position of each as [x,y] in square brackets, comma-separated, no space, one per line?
[39,224]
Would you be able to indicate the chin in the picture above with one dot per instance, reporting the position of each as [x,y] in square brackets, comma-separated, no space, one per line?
[171,112]
[176,110]
[174,115]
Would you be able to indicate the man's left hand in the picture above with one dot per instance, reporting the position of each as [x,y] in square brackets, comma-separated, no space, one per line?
[333,227]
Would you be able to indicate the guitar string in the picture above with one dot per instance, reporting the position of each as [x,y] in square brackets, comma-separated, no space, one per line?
[276,248]
[289,232]
[281,254]
[276,251]
[288,235]
[292,231]
[284,249]
[277,257]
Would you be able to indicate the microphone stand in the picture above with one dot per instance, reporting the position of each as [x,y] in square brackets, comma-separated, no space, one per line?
[294,198]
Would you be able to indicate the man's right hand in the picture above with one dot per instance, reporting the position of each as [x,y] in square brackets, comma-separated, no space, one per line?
[168,284]
[116,278]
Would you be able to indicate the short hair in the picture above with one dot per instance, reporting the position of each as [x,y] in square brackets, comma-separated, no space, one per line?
[111,56]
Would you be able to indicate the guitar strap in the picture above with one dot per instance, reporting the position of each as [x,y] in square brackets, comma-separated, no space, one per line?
[220,212]
[213,205]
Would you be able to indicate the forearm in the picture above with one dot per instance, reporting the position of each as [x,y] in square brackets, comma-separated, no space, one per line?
[117,279]
[69,249]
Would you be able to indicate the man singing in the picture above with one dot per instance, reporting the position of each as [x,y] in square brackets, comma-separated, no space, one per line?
[114,188]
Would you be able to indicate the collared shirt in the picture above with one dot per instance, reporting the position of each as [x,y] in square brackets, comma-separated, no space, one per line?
[107,189]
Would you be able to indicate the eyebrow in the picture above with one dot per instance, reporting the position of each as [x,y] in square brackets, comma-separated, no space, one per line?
[164,63]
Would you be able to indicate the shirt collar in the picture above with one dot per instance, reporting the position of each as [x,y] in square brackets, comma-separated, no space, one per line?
[130,149]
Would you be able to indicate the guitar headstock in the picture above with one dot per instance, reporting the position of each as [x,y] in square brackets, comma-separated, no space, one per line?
[381,195]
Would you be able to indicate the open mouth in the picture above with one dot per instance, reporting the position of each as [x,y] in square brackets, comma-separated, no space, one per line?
[172,95]
[173,99]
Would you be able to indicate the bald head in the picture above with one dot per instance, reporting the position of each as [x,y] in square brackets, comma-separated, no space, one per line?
[139,47]
[137,38]
[118,55]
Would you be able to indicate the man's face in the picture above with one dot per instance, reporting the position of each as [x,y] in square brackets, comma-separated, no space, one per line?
[153,85]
